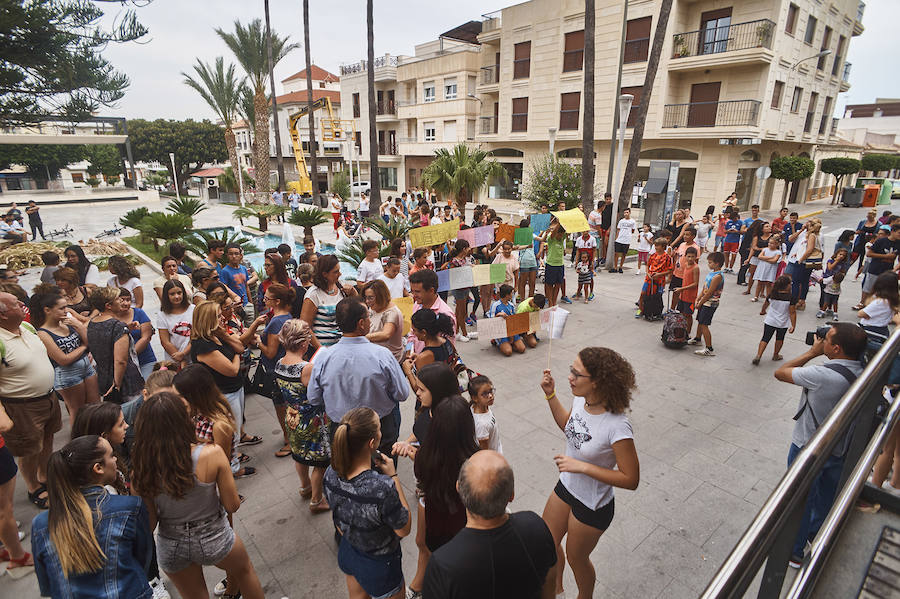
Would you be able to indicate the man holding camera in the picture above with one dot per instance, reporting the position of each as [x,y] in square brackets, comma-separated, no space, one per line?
[823,387]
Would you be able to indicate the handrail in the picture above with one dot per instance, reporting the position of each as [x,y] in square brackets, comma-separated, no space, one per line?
[754,547]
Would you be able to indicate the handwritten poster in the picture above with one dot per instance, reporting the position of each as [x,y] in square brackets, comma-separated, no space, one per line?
[505,232]
[481,274]
[523,236]
[443,280]
[498,273]
[517,324]
[461,277]
[406,308]
[534,321]
[573,221]
[491,328]
[434,234]
[540,222]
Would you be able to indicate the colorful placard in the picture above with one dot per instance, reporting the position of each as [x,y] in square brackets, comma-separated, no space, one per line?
[406,308]
[505,232]
[540,222]
[443,280]
[471,276]
[434,234]
[461,277]
[517,324]
[491,328]
[573,221]
[523,236]
[498,273]
[481,274]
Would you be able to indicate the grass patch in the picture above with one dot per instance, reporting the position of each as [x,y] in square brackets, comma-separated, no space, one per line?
[146,247]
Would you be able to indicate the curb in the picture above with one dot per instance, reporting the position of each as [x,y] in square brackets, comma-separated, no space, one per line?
[811,214]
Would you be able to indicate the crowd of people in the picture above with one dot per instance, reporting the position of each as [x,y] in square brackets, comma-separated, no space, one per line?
[149,481]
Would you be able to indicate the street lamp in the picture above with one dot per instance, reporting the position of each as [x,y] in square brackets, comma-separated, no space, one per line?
[175,175]
[625,101]
[552,135]
[788,83]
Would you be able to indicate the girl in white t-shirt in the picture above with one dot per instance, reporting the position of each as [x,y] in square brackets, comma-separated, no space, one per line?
[645,244]
[481,398]
[126,276]
[175,322]
[882,309]
[599,455]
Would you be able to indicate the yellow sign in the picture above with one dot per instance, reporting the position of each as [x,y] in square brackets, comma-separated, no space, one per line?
[573,221]
[435,234]
[406,307]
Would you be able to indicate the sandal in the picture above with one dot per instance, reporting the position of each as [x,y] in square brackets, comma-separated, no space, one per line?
[246,471]
[305,492]
[35,498]
[284,452]
[22,567]
[243,458]
[250,440]
[320,506]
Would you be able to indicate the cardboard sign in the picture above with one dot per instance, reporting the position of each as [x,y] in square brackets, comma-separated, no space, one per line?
[443,280]
[540,222]
[491,328]
[573,221]
[505,232]
[517,324]
[434,234]
[523,236]
[478,236]
[461,277]
[406,305]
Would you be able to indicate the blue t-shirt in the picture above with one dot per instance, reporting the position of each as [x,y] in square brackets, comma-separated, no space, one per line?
[787,231]
[273,328]
[147,356]
[733,231]
[235,278]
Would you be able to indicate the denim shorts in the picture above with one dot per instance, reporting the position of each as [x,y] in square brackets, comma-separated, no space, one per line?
[206,542]
[525,269]
[381,576]
[73,374]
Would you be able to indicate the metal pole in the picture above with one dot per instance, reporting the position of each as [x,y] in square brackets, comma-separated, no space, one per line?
[240,178]
[615,125]
[622,111]
[350,156]
[175,175]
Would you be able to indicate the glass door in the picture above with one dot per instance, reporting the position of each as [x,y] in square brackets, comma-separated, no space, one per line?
[715,27]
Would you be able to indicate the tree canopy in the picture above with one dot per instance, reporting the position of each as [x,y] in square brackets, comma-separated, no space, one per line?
[103,159]
[839,167]
[41,160]
[880,162]
[194,143]
[550,181]
[792,168]
[52,63]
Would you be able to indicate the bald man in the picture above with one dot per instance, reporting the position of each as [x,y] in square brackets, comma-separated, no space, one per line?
[497,555]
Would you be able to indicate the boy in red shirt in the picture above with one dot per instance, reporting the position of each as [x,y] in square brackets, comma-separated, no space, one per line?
[659,266]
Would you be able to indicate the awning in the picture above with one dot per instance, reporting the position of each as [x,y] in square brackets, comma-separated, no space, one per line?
[657,185]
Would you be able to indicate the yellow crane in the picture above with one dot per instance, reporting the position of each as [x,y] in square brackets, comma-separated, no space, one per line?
[333,129]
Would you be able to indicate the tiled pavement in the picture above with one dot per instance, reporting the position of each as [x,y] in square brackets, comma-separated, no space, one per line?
[711,433]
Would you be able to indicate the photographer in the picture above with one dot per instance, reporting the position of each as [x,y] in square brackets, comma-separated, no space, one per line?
[823,386]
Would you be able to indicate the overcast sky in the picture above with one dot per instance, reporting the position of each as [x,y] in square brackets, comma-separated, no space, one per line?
[182,31]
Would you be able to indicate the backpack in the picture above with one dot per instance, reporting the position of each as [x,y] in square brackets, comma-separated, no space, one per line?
[675,331]
[28,327]
[653,307]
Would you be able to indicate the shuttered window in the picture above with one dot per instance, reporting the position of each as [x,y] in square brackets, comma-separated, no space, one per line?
[520,114]
[568,110]
[573,55]
[636,91]
[522,61]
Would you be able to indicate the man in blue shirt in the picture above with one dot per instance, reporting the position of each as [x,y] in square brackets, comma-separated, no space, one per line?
[235,276]
[790,228]
[732,239]
[354,372]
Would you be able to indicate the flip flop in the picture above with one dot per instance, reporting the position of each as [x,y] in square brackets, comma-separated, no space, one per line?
[250,440]
[283,453]
[21,570]
[35,498]
[244,458]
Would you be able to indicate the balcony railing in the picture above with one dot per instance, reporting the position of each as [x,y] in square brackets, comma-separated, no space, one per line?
[715,40]
[382,61]
[845,76]
[490,75]
[729,113]
[637,50]
[387,148]
[490,21]
[385,107]
[488,125]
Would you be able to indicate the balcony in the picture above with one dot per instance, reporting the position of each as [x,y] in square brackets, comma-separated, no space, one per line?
[857,24]
[637,50]
[700,117]
[487,125]
[385,68]
[845,77]
[489,81]
[387,148]
[741,43]
[386,110]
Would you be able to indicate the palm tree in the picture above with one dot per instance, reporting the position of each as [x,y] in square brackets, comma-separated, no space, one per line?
[374,181]
[461,172]
[198,241]
[228,181]
[263,212]
[309,218]
[248,44]
[313,170]
[133,218]
[187,206]
[587,127]
[220,88]
[353,254]
[395,228]
[161,225]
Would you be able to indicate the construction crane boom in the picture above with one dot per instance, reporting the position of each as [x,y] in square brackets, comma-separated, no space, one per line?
[333,129]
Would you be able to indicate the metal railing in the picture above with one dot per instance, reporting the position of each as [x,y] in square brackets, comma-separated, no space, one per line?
[387,148]
[490,75]
[488,125]
[490,21]
[728,113]
[769,538]
[385,107]
[715,40]
[637,50]
[845,76]
[382,61]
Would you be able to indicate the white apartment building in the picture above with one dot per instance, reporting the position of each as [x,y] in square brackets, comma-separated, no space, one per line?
[294,98]
[875,126]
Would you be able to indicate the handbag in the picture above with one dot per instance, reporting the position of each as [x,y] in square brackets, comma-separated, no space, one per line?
[263,383]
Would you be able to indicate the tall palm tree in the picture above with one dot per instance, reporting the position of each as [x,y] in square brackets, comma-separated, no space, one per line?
[314,171]
[461,172]
[248,44]
[374,181]
[220,88]
[278,156]
[587,127]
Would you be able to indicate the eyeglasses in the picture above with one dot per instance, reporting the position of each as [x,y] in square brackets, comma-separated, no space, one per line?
[577,374]
[268,299]
[370,298]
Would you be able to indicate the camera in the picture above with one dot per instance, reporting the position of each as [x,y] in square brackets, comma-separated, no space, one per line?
[819,333]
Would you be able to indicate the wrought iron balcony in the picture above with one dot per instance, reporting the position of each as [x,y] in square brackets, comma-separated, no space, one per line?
[488,125]
[387,148]
[385,107]
[637,50]
[728,113]
[490,75]
[728,38]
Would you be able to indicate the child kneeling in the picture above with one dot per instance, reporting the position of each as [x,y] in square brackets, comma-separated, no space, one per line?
[504,307]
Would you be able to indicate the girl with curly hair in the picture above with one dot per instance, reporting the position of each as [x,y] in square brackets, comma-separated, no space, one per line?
[126,276]
[600,455]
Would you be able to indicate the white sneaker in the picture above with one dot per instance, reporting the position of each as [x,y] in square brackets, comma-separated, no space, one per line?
[473,334]
[705,352]
[159,589]
[220,587]
[462,338]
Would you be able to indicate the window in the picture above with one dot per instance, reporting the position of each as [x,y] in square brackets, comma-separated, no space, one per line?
[637,39]
[636,91]
[77,177]
[573,55]
[429,131]
[777,92]
[810,30]
[522,61]
[357,141]
[470,129]
[826,41]
[356,106]
[520,114]
[826,113]
[838,56]
[387,178]
[449,88]
[795,100]
[791,23]
[449,131]
[321,85]
[810,112]
[429,91]
[715,29]
[568,110]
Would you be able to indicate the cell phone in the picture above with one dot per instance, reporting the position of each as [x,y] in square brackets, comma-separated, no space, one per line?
[409,347]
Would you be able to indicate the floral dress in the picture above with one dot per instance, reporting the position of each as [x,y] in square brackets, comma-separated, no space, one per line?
[307,425]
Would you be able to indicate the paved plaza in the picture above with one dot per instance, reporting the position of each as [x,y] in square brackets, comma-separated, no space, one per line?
[712,436]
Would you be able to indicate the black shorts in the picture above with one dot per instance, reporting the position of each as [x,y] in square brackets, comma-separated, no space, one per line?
[705,314]
[769,330]
[554,275]
[621,248]
[685,307]
[675,283]
[8,467]
[600,518]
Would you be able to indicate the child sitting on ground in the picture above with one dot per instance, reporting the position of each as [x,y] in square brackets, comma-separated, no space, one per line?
[481,398]
[585,276]
[504,307]
[659,266]
[531,304]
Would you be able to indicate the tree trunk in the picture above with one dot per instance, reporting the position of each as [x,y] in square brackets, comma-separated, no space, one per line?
[261,141]
[278,156]
[231,145]
[837,186]
[314,170]
[587,127]
[263,223]
[374,182]
[637,136]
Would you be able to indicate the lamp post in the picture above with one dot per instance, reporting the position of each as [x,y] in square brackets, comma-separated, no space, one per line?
[625,101]
[175,175]
[788,82]
[552,136]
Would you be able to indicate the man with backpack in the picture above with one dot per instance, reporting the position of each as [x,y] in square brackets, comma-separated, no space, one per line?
[823,387]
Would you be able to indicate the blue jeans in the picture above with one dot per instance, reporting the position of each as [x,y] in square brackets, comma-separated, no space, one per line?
[818,502]
[799,279]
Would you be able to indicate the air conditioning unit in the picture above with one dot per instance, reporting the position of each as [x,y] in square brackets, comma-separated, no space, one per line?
[212,182]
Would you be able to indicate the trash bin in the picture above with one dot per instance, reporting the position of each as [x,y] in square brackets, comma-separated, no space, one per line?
[870,195]
[852,197]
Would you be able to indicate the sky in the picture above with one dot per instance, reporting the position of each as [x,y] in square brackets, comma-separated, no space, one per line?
[181,31]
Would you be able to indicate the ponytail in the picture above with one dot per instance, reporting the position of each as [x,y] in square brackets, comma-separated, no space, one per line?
[460,246]
[432,323]
[70,519]
[357,428]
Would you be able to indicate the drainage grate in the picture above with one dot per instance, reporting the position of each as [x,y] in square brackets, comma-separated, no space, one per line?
[882,580]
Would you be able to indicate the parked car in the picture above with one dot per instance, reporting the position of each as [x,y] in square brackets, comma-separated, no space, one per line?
[359,186]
